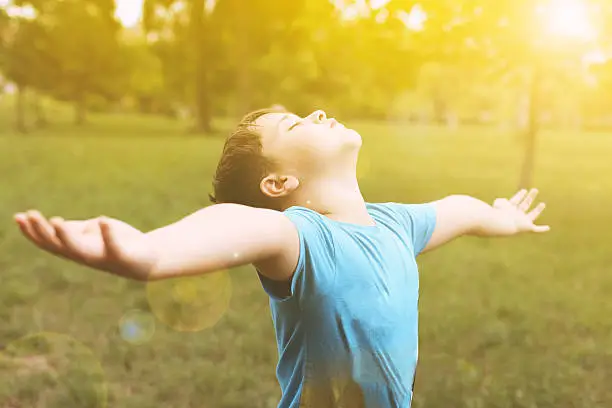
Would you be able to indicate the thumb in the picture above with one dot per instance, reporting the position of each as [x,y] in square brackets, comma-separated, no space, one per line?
[109,236]
[540,228]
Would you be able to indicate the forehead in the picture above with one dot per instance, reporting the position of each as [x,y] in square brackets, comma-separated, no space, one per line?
[268,125]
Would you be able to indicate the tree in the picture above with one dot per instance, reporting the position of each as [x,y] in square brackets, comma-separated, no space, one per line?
[4,22]
[597,101]
[261,39]
[144,79]
[508,36]
[80,36]
[184,28]
[26,61]
[226,45]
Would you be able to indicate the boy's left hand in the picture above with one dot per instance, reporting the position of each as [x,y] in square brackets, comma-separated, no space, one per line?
[516,209]
[460,215]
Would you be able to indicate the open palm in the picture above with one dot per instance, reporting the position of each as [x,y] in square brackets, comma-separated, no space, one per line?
[103,243]
[517,209]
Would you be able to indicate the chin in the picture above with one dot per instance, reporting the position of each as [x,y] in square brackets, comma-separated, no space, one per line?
[353,136]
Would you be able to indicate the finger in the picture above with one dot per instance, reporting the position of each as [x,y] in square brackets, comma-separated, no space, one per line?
[91,225]
[57,219]
[501,203]
[535,213]
[518,197]
[85,226]
[541,228]
[70,244]
[44,231]
[109,237]
[526,203]
[26,228]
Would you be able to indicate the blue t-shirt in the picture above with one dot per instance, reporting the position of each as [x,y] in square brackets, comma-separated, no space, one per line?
[347,333]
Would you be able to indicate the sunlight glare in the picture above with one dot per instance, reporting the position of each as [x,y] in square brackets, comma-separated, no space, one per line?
[129,12]
[568,18]
[415,19]
[27,11]
[376,4]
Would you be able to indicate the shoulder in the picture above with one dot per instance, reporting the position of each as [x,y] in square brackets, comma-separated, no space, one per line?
[387,212]
[417,221]
[405,211]
[301,231]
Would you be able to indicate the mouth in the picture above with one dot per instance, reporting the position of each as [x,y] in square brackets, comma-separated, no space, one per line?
[333,123]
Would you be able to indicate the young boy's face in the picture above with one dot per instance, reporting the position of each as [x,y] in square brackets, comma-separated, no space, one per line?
[307,144]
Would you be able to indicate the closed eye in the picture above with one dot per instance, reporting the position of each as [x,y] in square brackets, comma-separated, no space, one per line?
[294,125]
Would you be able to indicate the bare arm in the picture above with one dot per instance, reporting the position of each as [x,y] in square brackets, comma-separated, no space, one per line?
[222,236]
[463,215]
[217,237]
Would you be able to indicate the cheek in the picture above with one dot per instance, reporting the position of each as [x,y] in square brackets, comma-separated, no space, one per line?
[307,149]
[318,148]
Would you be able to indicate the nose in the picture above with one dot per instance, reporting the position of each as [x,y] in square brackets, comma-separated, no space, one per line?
[318,116]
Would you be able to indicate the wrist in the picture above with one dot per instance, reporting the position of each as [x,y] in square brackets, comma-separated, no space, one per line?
[137,261]
[496,223]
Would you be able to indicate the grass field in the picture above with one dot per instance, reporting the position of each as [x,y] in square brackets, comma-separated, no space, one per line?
[520,322]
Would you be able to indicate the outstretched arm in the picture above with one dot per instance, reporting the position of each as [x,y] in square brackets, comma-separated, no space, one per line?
[217,237]
[463,215]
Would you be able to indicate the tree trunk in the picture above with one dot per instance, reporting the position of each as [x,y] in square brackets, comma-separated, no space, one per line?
[80,110]
[243,55]
[39,111]
[20,105]
[202,109]
[244,84]
[526,179]
[439,108]
[203,114]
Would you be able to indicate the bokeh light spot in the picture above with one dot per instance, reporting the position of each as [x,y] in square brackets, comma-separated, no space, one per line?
[137,327]
[185,291]
[193,303]
[341,392]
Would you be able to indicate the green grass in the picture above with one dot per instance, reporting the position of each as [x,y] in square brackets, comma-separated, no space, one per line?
[521,322]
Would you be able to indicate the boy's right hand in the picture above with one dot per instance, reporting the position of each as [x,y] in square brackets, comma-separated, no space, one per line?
[102,243]
[215,238]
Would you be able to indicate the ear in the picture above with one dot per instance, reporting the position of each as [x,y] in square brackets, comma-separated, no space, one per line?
[278,186]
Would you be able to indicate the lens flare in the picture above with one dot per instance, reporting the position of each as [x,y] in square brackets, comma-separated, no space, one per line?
[337,393]
[51,369]
[191,304]
[137,327]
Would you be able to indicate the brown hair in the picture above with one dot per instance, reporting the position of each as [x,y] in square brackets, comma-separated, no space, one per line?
[242,166]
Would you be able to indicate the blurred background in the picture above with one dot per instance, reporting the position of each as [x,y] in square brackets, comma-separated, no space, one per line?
[121,108]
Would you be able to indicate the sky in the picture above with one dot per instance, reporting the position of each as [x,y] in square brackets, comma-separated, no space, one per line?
[563,17]
[128,11]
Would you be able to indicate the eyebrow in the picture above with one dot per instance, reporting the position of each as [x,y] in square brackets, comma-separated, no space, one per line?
[288,116]
[281,121]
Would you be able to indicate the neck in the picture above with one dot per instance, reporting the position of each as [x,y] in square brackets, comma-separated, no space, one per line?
[338,199]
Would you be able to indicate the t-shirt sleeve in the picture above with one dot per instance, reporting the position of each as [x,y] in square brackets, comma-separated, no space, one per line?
[419,221]
[315,270]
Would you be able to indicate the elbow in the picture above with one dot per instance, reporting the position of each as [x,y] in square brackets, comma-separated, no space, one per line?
[133,275]
[462,200]
[152,274]
[144,278]
[468,214]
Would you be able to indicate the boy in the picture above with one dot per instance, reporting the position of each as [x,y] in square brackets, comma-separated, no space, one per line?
[340,272]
